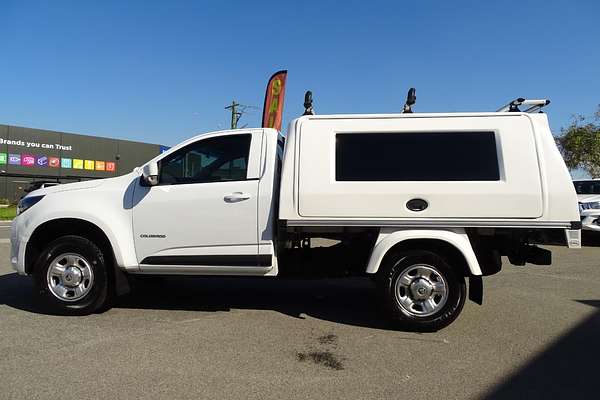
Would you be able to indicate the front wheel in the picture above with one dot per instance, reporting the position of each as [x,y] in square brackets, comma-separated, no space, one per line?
[421,291]
[70,276]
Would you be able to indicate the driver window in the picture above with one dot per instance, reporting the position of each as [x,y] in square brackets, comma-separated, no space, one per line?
[218,159]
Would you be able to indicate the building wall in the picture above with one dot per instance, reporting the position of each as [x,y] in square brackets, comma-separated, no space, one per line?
[28,154]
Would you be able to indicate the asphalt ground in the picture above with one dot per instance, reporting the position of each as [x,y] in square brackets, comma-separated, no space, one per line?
[4,231]
[537,336]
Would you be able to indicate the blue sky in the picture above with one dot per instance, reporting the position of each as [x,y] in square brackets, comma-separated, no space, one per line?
[163,71]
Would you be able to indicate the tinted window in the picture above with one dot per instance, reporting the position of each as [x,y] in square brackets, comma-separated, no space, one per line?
[587,187]
[417,156]
[217,159]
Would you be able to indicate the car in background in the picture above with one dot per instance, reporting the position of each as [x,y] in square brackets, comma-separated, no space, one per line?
[588,196]
[35,185]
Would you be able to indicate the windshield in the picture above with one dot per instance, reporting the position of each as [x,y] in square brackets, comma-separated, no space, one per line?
[587,187]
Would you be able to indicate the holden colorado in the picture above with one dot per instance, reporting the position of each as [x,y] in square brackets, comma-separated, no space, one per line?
[422,203]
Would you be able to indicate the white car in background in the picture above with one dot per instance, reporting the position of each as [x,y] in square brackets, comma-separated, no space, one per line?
[588,195]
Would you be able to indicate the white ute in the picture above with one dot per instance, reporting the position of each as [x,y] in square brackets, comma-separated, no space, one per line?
[417,201]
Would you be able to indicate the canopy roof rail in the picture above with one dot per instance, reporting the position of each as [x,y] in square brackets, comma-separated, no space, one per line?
[534,105]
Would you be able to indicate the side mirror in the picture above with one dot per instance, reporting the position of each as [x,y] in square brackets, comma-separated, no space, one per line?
[150,174]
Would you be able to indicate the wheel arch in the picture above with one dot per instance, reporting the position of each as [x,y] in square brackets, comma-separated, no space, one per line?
[454,244]
[52,229]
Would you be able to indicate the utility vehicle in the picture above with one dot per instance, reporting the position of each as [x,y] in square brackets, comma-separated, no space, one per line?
[420,202]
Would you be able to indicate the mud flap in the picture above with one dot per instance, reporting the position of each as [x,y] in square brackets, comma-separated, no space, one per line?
[121,282]
[476,289]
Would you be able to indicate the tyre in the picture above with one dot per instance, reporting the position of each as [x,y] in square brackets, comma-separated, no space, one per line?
[420,290]
[71,276]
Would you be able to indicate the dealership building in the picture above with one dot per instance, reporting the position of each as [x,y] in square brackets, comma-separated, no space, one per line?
[30,155]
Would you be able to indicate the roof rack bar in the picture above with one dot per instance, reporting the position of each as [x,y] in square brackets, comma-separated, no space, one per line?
[511,105]
[535,105]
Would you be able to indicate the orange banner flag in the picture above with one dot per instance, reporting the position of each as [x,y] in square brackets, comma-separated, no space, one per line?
[273,108]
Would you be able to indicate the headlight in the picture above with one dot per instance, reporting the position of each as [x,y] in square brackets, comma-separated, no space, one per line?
[27,202]
[592,205]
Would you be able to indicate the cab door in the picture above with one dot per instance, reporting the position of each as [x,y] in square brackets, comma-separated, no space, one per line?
[202,214]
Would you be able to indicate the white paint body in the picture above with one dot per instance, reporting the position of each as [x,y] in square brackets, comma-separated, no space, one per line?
[590,217]
[195,220]
[589,207]
[389,237]
[534,187]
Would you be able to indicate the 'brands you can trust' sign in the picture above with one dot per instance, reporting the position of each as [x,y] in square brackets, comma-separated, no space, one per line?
[39,145]
[44,161]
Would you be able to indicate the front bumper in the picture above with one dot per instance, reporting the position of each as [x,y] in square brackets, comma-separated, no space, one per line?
[590,220]
[18,244]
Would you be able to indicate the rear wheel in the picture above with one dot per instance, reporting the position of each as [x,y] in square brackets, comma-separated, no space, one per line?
[420,290]
[70,276]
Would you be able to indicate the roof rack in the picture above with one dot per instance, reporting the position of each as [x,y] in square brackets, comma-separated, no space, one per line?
[535,105]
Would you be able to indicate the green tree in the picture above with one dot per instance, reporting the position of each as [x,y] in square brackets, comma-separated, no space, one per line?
[579,144]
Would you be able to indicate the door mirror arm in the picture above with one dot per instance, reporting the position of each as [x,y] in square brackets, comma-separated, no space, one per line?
[150,174]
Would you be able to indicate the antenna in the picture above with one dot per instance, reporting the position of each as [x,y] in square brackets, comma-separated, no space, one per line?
[237,110]
[308,103]
[411,99]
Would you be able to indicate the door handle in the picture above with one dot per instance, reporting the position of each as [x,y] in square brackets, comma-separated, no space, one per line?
[236,197]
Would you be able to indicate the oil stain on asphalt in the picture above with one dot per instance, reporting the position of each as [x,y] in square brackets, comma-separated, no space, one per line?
[328,339]
[323,357]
